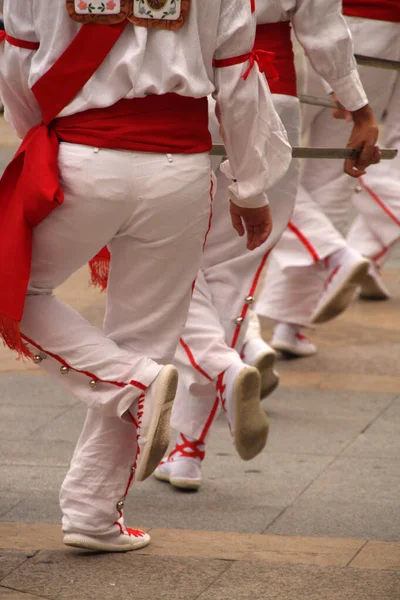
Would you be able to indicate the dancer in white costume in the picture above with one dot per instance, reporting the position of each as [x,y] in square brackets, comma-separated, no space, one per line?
[314,274]
[211,358]
[150,203]
[375,26]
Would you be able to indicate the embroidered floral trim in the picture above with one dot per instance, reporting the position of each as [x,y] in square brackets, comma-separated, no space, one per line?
[109,7]
[168,10]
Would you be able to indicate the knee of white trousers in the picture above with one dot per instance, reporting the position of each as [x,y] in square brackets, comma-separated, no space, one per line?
[111,398]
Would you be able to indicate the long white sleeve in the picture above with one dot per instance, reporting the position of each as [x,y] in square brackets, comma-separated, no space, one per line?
[21,108]
[255,139]
[322,31]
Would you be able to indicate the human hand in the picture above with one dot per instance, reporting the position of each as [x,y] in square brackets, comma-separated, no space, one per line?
[256,222]
[363,137]
[341,112]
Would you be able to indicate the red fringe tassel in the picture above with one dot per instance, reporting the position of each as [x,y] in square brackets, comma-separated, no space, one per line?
[11,335]
[99,269]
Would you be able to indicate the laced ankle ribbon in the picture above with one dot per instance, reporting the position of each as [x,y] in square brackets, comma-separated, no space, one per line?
[188,449]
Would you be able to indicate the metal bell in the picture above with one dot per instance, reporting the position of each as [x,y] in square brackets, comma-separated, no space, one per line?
[93,383]
[133,469]
[358,189]
[249,299]
[239,320]
[64,370]
[37,359]
[120,505]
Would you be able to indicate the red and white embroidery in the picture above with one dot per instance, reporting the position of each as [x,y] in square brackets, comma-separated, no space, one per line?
[110,7]
[166,10]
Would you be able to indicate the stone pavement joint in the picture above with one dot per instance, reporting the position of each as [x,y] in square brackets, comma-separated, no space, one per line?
[24,540]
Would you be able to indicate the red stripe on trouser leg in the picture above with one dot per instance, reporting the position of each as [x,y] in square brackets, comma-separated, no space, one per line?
[380,202]
[304,241]
[193,361]
[382,253]
[251,293]
[63,362]
[210,420]
[211,213]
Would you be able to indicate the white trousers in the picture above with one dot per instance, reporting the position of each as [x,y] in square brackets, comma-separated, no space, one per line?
[153,212]
[225,286]
[377,198]
[297,261]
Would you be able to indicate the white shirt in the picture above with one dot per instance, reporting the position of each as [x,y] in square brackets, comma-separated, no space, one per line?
[148,61]
[322,31]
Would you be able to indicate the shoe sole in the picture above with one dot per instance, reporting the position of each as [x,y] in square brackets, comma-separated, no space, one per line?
[178,482]
[158,436]
[251,424]
[85,542]
[343,296]
[370,290]
[289,350]
[269,377]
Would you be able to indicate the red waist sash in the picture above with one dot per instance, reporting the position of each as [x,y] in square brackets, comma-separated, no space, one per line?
[275,38]
[169,124]
[378,10]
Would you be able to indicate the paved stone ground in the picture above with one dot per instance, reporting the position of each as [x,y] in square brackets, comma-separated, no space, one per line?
[315,516]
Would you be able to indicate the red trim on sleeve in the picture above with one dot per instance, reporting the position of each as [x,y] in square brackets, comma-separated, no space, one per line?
[263,59]
[253,6]
[19,43]
[2,36]
[230,62]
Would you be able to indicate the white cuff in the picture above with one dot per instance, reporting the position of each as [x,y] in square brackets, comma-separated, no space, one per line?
[247,202]
[350,91]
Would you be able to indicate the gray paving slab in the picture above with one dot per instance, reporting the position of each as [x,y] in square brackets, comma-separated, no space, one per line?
[9,561]
[34,507]
[320,422]
[379,358]
[8,500]
[244,580]
[65,427]
[69,575]
[18,424]
[33,391]
[226,507]
[355,497]
[55,453]
[381,439]
[31,478]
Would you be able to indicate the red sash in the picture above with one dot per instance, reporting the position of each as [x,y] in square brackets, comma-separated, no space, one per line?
[377,10]
[30,189]
[275,38]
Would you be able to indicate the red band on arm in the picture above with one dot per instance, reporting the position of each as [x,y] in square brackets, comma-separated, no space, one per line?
[2,36]
[19,43]
[230,62]
[253,5]
[263,59]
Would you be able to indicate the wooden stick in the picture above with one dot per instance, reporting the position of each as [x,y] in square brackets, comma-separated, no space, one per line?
[379,63]
[323,153]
